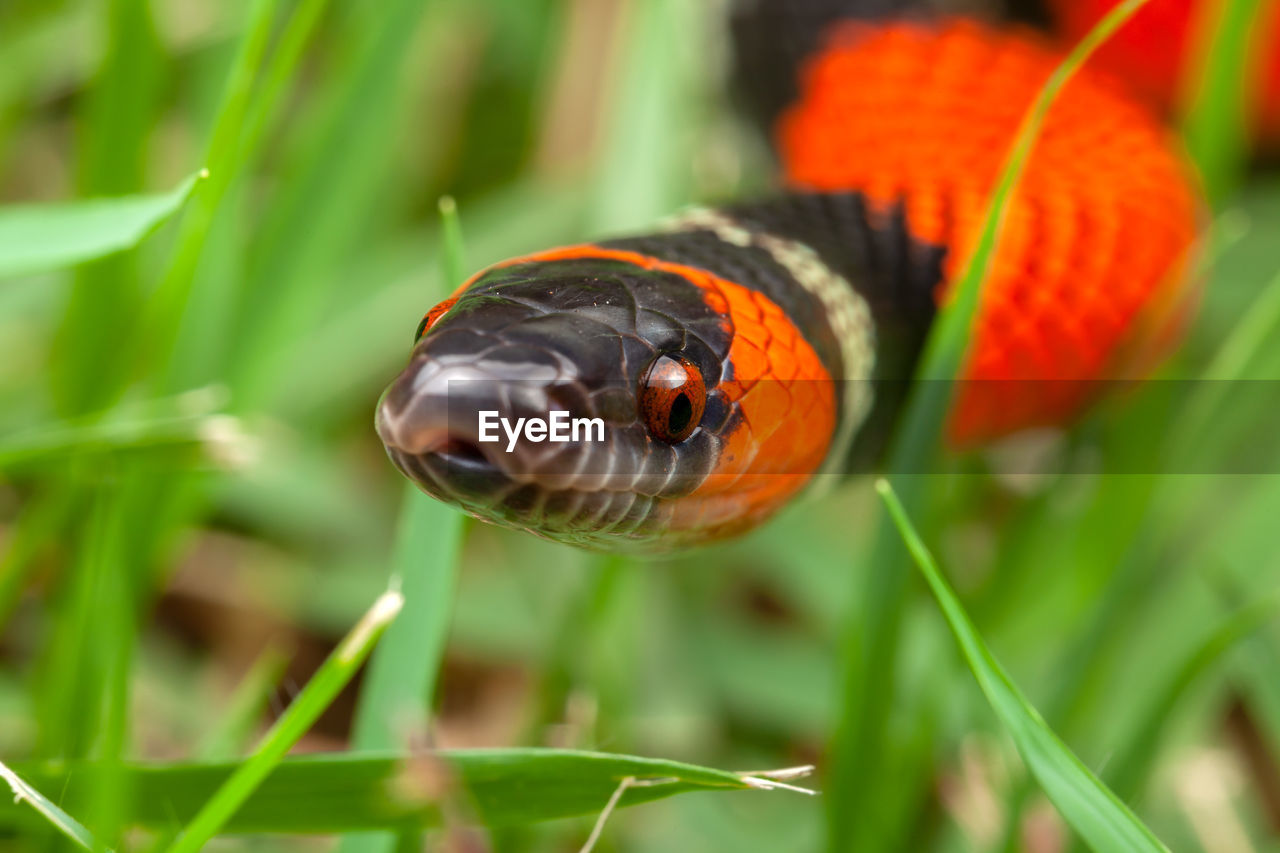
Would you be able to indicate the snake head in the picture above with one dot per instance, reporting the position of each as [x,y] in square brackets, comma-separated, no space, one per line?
[633,360]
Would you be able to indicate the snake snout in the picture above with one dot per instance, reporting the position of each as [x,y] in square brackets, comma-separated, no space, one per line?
[441,418]
[426,409]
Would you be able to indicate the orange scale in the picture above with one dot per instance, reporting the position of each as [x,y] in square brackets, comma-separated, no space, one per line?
[1098,326]
[699,278]
[786,425]
[745,307]
[739,450]
[785,335]
[716,301]
[773,316]
[763,315]
[733,390]
[769,398]
[774,330]
[784,363]
[771,342]
[757,337]
[806,370]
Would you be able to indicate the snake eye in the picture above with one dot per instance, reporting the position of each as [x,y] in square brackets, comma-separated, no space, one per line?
[672,397]
[434,314]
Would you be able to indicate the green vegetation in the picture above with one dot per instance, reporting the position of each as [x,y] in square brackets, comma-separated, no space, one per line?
[218,231]
[1085,802]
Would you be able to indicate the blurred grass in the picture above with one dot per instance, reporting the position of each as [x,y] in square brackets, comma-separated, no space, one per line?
[340,667]
[856,814]
[1087,804]
[138,574]
[37,238]
[1218,122]
[63,822]
[397,695]
[334,793]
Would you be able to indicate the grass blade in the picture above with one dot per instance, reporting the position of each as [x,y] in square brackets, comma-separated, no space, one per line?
[277,74]
[114,129]
[63,822]
[161,318]
[245,706]
[397,693]
[320,691]
[402,675]
[243,710]
[350,792]
[1216,125]
[31,534]
[871,646]
[306,233]
[1089,806]
[453,254]
[215,435]
[945,349]
[1126,769]
[40,237]
[1240,352]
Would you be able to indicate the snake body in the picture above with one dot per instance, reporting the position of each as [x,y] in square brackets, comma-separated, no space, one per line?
[734,352]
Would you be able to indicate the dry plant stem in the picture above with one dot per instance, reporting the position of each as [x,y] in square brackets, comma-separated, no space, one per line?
[598,829]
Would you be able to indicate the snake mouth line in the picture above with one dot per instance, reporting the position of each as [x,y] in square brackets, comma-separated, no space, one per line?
[465,455]
[458,472]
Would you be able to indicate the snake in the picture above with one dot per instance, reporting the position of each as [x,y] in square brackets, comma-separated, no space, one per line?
[735,356]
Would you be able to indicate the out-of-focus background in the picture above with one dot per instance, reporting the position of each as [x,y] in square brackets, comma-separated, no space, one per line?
[194,507]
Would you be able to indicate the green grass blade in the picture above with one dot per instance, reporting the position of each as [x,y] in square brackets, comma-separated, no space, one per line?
[113,129]
[163,313]
[870,653]
[245,706]
[1216,126]
[1127,768]
[305,233]
[453,256]
[214,435]
[581,625]
[40,237]
[63,822]
[339,668]
[395,700]
[1261,689]
[641,174]
[118,114]
[351,792]
[1249,337]
[86,694]
[1248,341]
[278,72]
[948,340]
[1088,806]
[397,694]
[91,644]
[212,258]
[33,533]
[332,364]
[233,729]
